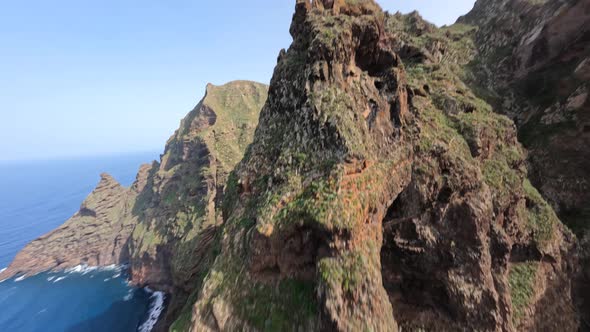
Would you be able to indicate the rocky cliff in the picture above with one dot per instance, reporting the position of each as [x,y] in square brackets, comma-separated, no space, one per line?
[164,226]
[385,187]
[96,235]
[533,64]
[381,193]
[175,240]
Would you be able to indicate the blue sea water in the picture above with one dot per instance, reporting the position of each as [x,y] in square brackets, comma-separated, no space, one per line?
[35,198]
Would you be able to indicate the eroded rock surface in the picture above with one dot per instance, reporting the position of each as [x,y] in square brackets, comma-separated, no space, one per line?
[380,193]
[532,61]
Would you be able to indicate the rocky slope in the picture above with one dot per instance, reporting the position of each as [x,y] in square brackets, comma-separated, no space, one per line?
[533,64]
[380,193]
[175,239]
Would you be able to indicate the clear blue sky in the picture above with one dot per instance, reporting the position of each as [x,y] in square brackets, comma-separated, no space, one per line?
[102,77]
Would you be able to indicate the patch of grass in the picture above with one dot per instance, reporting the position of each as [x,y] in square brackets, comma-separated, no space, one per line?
[145,238]
[183,322]
[541,219]
[521,280]
[231,193]
[459,29]
[313,205]
[500,176]
[327,29]
[344,272]
[246,223]
[334,201]
[170,197]
[456,41]
[537,2]
[337,110]
[438,132]
[237,106]
[276,308]
[352,2]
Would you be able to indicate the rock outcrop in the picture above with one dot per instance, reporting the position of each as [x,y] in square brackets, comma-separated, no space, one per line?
[380,193]
[175,240]
[96,235]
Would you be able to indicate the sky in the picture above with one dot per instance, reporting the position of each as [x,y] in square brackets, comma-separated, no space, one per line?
[88,78]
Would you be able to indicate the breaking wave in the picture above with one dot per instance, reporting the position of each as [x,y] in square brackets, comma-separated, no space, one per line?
[156,308]
[85,269]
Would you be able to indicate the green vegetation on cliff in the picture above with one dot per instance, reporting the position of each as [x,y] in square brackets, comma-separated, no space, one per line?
[522,279]
[177,237]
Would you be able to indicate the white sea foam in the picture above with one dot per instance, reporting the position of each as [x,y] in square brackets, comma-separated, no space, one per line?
[156,308]
[82,269]
[129,295]
[85,269]
[3,280]
[59,279]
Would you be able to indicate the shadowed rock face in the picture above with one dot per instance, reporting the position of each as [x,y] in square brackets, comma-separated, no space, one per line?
[532,64]
[533,61]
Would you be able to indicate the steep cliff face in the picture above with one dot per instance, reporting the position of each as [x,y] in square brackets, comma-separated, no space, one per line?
[470,244]
[534,64]
[165,225]
[380,192]
[527,59]
[299,217]
[175,239]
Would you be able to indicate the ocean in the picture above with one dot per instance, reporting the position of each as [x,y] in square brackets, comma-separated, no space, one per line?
[35,198]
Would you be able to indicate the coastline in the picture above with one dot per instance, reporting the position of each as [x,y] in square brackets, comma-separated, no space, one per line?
[157,299]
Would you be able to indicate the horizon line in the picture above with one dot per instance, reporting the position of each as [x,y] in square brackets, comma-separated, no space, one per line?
[74,157]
